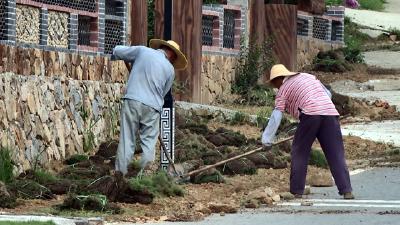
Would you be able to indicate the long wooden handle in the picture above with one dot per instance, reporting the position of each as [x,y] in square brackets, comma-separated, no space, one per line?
[231,159]
[128,66]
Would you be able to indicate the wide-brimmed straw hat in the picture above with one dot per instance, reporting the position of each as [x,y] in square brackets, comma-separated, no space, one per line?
[181,62]
[280,70]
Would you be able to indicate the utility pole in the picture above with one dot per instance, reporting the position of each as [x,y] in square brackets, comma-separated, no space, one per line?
[168,112]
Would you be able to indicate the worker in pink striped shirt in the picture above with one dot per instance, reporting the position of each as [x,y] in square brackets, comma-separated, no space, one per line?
[305,98]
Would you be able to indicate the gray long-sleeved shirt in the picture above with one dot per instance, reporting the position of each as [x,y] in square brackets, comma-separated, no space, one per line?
[151,77]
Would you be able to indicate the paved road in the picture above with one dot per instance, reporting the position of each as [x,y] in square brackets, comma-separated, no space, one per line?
[373,19]
[392,6]
[378,202]
[384,59]
[384,131]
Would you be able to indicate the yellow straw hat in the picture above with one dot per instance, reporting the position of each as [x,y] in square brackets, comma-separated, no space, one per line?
[181,62]
[280,70]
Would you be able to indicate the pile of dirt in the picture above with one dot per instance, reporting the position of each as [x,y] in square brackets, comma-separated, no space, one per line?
[378,110]
[358,148]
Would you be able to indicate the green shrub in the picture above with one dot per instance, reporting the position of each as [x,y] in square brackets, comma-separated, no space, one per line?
[353,37]
[353,54]
[6,165]
[159,184]
[376,5]
[317,158]
[331,61]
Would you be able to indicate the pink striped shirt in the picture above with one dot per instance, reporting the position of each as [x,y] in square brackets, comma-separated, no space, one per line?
[304,92]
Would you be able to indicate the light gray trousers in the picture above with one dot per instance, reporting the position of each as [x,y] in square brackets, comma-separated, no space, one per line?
[137,117]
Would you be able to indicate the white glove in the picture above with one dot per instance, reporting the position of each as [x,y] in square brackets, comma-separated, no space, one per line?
[270,131]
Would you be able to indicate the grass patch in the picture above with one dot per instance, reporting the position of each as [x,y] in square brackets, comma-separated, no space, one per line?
[394,31]
[6,165]
[159,184]
[375,5]
[26,223]
[352,34]
[317,158]
[44,177]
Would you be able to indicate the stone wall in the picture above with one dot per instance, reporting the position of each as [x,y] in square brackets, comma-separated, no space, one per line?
[58,33]
[29,61]
[49,100]
[308,48]
[27,24]
[49,118]
[217,75]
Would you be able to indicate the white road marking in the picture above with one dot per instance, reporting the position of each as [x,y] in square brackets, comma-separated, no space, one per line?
[357,171]
[341,205]
[354,201]
[345,203]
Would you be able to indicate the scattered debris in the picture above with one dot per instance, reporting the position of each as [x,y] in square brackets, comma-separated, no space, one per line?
[287,196]
[307,190]
[217,207]
[252,204]
[321,179]
[306,203]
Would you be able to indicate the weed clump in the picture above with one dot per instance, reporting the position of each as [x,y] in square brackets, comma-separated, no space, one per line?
[44,177]
[6,165]
[94,202]
[238,118]
[76,159]
[317,158]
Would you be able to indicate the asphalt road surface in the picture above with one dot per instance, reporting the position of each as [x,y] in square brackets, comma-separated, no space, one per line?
[377,202]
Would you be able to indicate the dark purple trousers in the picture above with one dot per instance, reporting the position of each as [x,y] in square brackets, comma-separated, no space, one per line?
[327,130]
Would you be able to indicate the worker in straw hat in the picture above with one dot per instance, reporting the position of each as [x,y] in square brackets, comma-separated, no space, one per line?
[305,98]
[150,79]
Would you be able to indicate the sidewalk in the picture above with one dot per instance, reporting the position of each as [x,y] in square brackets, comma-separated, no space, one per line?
[373,19]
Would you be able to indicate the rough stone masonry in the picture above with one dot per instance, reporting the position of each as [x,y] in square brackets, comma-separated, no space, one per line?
[46,118]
